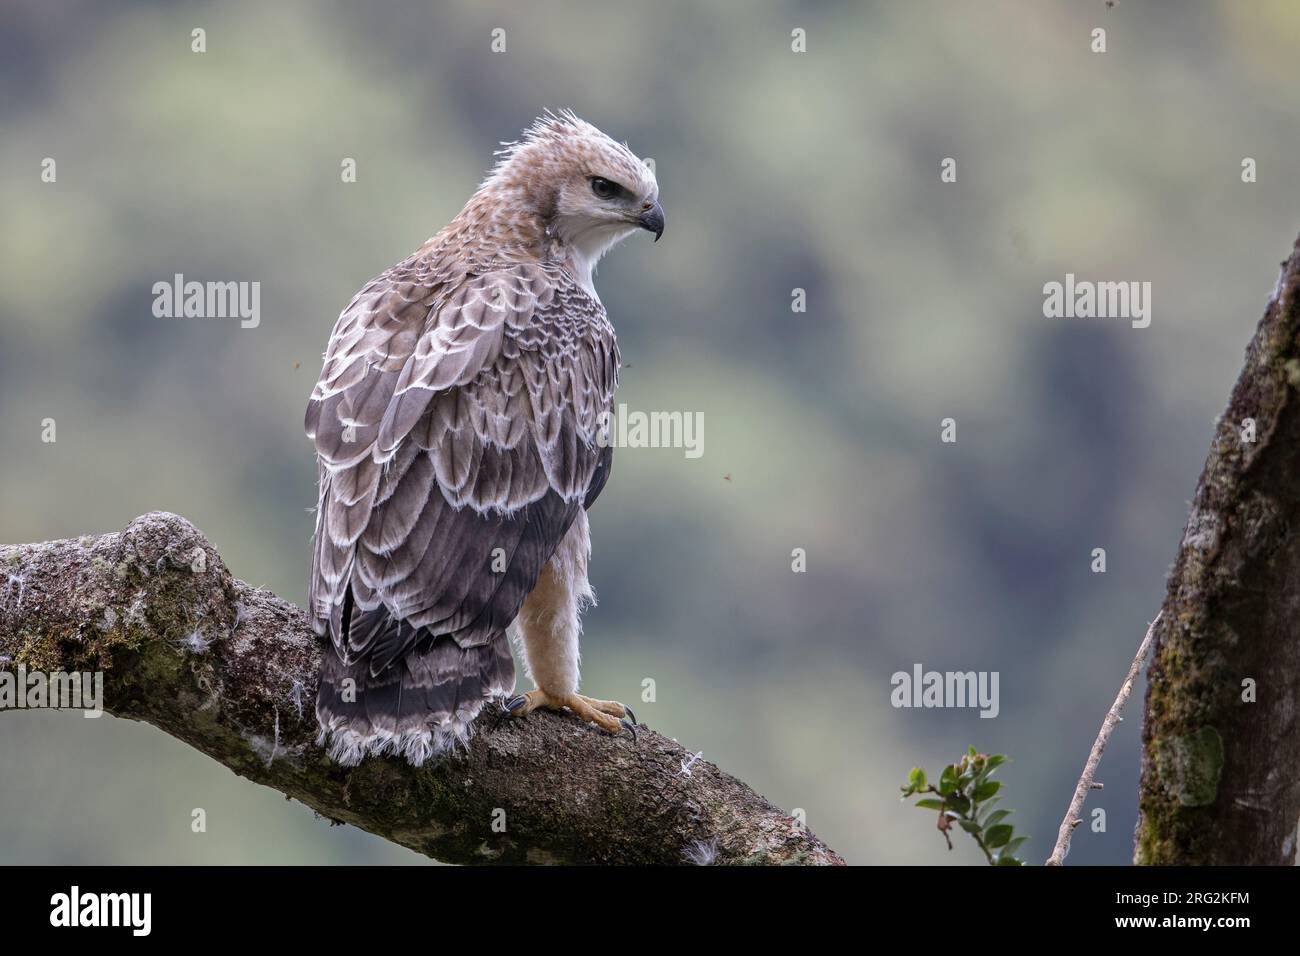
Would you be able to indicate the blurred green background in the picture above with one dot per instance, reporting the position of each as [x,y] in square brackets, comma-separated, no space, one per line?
[777,170]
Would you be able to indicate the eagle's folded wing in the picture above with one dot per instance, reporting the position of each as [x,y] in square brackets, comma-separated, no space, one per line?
[456,422]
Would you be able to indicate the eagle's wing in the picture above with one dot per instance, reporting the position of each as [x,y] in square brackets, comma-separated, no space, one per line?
[456,414]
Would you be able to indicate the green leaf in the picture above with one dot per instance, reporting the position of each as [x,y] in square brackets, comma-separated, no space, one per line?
[998,835]
[1013,845]
[966,794]
[948,780]
[987,789]
[996,817]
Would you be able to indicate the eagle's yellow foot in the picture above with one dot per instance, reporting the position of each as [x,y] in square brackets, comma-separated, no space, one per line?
[609,715]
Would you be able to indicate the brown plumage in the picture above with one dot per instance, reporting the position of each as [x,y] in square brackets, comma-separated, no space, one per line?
[457,425]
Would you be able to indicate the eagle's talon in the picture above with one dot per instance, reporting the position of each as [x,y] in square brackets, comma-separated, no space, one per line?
[631,716]
[609,715]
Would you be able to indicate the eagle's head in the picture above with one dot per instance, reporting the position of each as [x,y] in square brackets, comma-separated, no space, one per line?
[586,190]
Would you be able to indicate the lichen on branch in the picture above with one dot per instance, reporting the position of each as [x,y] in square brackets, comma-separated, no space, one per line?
[231,670]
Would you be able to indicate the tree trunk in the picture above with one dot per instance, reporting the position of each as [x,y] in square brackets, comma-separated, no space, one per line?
[1221,743]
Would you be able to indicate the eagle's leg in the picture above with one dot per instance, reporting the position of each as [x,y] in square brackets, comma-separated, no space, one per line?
[548,627]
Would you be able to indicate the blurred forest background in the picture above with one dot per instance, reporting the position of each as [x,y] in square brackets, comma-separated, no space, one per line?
[778,171]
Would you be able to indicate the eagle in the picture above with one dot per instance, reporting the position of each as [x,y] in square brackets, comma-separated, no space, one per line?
[461,431]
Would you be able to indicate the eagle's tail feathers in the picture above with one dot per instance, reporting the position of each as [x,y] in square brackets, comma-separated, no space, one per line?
[419,707]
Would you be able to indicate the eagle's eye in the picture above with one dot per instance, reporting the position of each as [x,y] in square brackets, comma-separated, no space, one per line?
[604,189]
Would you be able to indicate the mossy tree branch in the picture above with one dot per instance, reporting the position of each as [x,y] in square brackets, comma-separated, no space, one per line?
[1221,739]
[231,670]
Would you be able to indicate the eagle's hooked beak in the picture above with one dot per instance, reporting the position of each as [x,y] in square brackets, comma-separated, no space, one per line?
[652,220]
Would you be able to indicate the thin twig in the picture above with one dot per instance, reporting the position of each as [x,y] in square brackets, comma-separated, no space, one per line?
[1074,816]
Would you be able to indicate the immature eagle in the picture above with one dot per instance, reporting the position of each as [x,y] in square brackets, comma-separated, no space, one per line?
[457,422]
